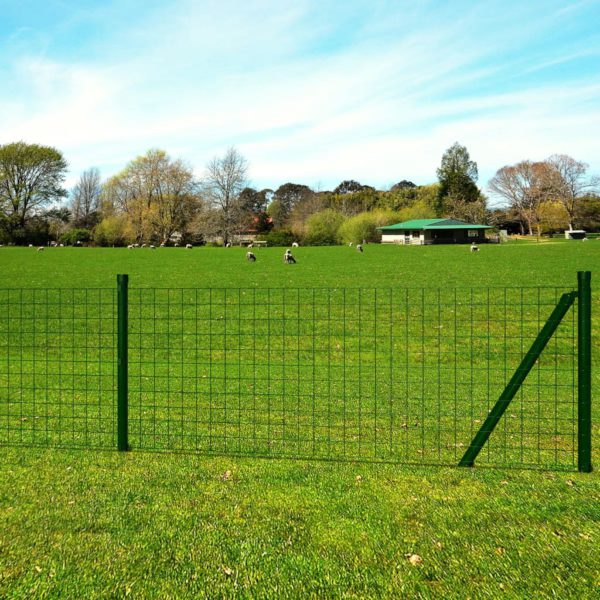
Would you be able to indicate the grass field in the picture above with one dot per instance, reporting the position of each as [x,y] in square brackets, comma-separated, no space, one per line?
[95,524]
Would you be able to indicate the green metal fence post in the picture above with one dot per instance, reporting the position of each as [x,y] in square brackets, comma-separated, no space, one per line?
[584,372]
[122,375]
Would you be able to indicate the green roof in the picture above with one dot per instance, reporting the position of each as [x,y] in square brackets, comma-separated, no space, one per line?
[433,224]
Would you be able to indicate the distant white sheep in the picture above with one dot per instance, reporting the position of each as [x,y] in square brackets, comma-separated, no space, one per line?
[41,249]
[350,244]
[130,247]
[189,246]
[359,247]
[474,247]
[250,256]
[228,245]
[152,247]
[294,244]
[250,246]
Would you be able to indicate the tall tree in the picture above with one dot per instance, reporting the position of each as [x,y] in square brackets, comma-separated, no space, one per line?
[286,197]
[85,199]
[402,185]
[224,181]
[570,183]
[350,186]
[157,195]
[525,186]
[31,177]
[457,175]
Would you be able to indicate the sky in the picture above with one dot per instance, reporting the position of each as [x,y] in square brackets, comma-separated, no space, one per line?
[309,91]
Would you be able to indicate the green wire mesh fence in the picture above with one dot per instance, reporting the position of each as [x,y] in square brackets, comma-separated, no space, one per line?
[401,375]
[57,367]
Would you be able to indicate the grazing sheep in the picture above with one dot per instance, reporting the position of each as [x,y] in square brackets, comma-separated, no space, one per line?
[143,245]
[41,249]
[474,247]
[351,244]
[62,245]
[288,258]
[189,246]
[136,245]
[176,245]
[163,245]
[152,247]
[359,247]
[250,246]
[294,244]
[31,245]
[130,247]
[228,245]
[250,257]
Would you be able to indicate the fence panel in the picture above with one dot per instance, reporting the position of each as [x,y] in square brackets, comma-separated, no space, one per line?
[57,367]
[403,375]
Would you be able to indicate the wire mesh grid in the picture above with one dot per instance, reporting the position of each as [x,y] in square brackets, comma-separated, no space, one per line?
[402,375]
[57,367]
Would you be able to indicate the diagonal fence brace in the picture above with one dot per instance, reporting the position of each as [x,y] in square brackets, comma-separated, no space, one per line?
[529,360]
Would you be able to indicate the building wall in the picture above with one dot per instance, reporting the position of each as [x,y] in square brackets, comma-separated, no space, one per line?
[425,237]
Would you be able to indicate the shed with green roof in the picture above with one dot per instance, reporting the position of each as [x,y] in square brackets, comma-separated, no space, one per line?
[433,231]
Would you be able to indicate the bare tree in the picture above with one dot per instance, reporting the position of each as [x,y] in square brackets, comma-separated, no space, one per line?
[85,199]
[525,186]
[224,180]
[569,182]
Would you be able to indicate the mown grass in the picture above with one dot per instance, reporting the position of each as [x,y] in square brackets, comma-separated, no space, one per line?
[98,524]
[511,264]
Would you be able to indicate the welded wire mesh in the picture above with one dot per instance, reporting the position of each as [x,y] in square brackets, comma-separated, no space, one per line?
[57,367]
[405,375]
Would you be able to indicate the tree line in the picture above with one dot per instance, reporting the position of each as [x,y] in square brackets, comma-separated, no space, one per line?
[158,199]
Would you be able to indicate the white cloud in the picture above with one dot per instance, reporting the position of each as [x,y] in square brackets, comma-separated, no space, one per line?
[201,77]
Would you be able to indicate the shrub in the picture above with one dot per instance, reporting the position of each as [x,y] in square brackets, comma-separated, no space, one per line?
[364,226]
[279,237]
[111,231]
[70,238]
[322,228]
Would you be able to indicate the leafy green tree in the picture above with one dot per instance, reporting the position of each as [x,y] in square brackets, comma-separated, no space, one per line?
[587,213]
[402,185]
[350,186]
[286,197]
[457,175]
[251,209]
[31,177]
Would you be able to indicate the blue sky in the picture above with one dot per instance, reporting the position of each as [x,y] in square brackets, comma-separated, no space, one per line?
[309,91]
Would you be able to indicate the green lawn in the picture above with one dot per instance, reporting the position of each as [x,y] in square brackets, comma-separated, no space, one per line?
[83,523]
